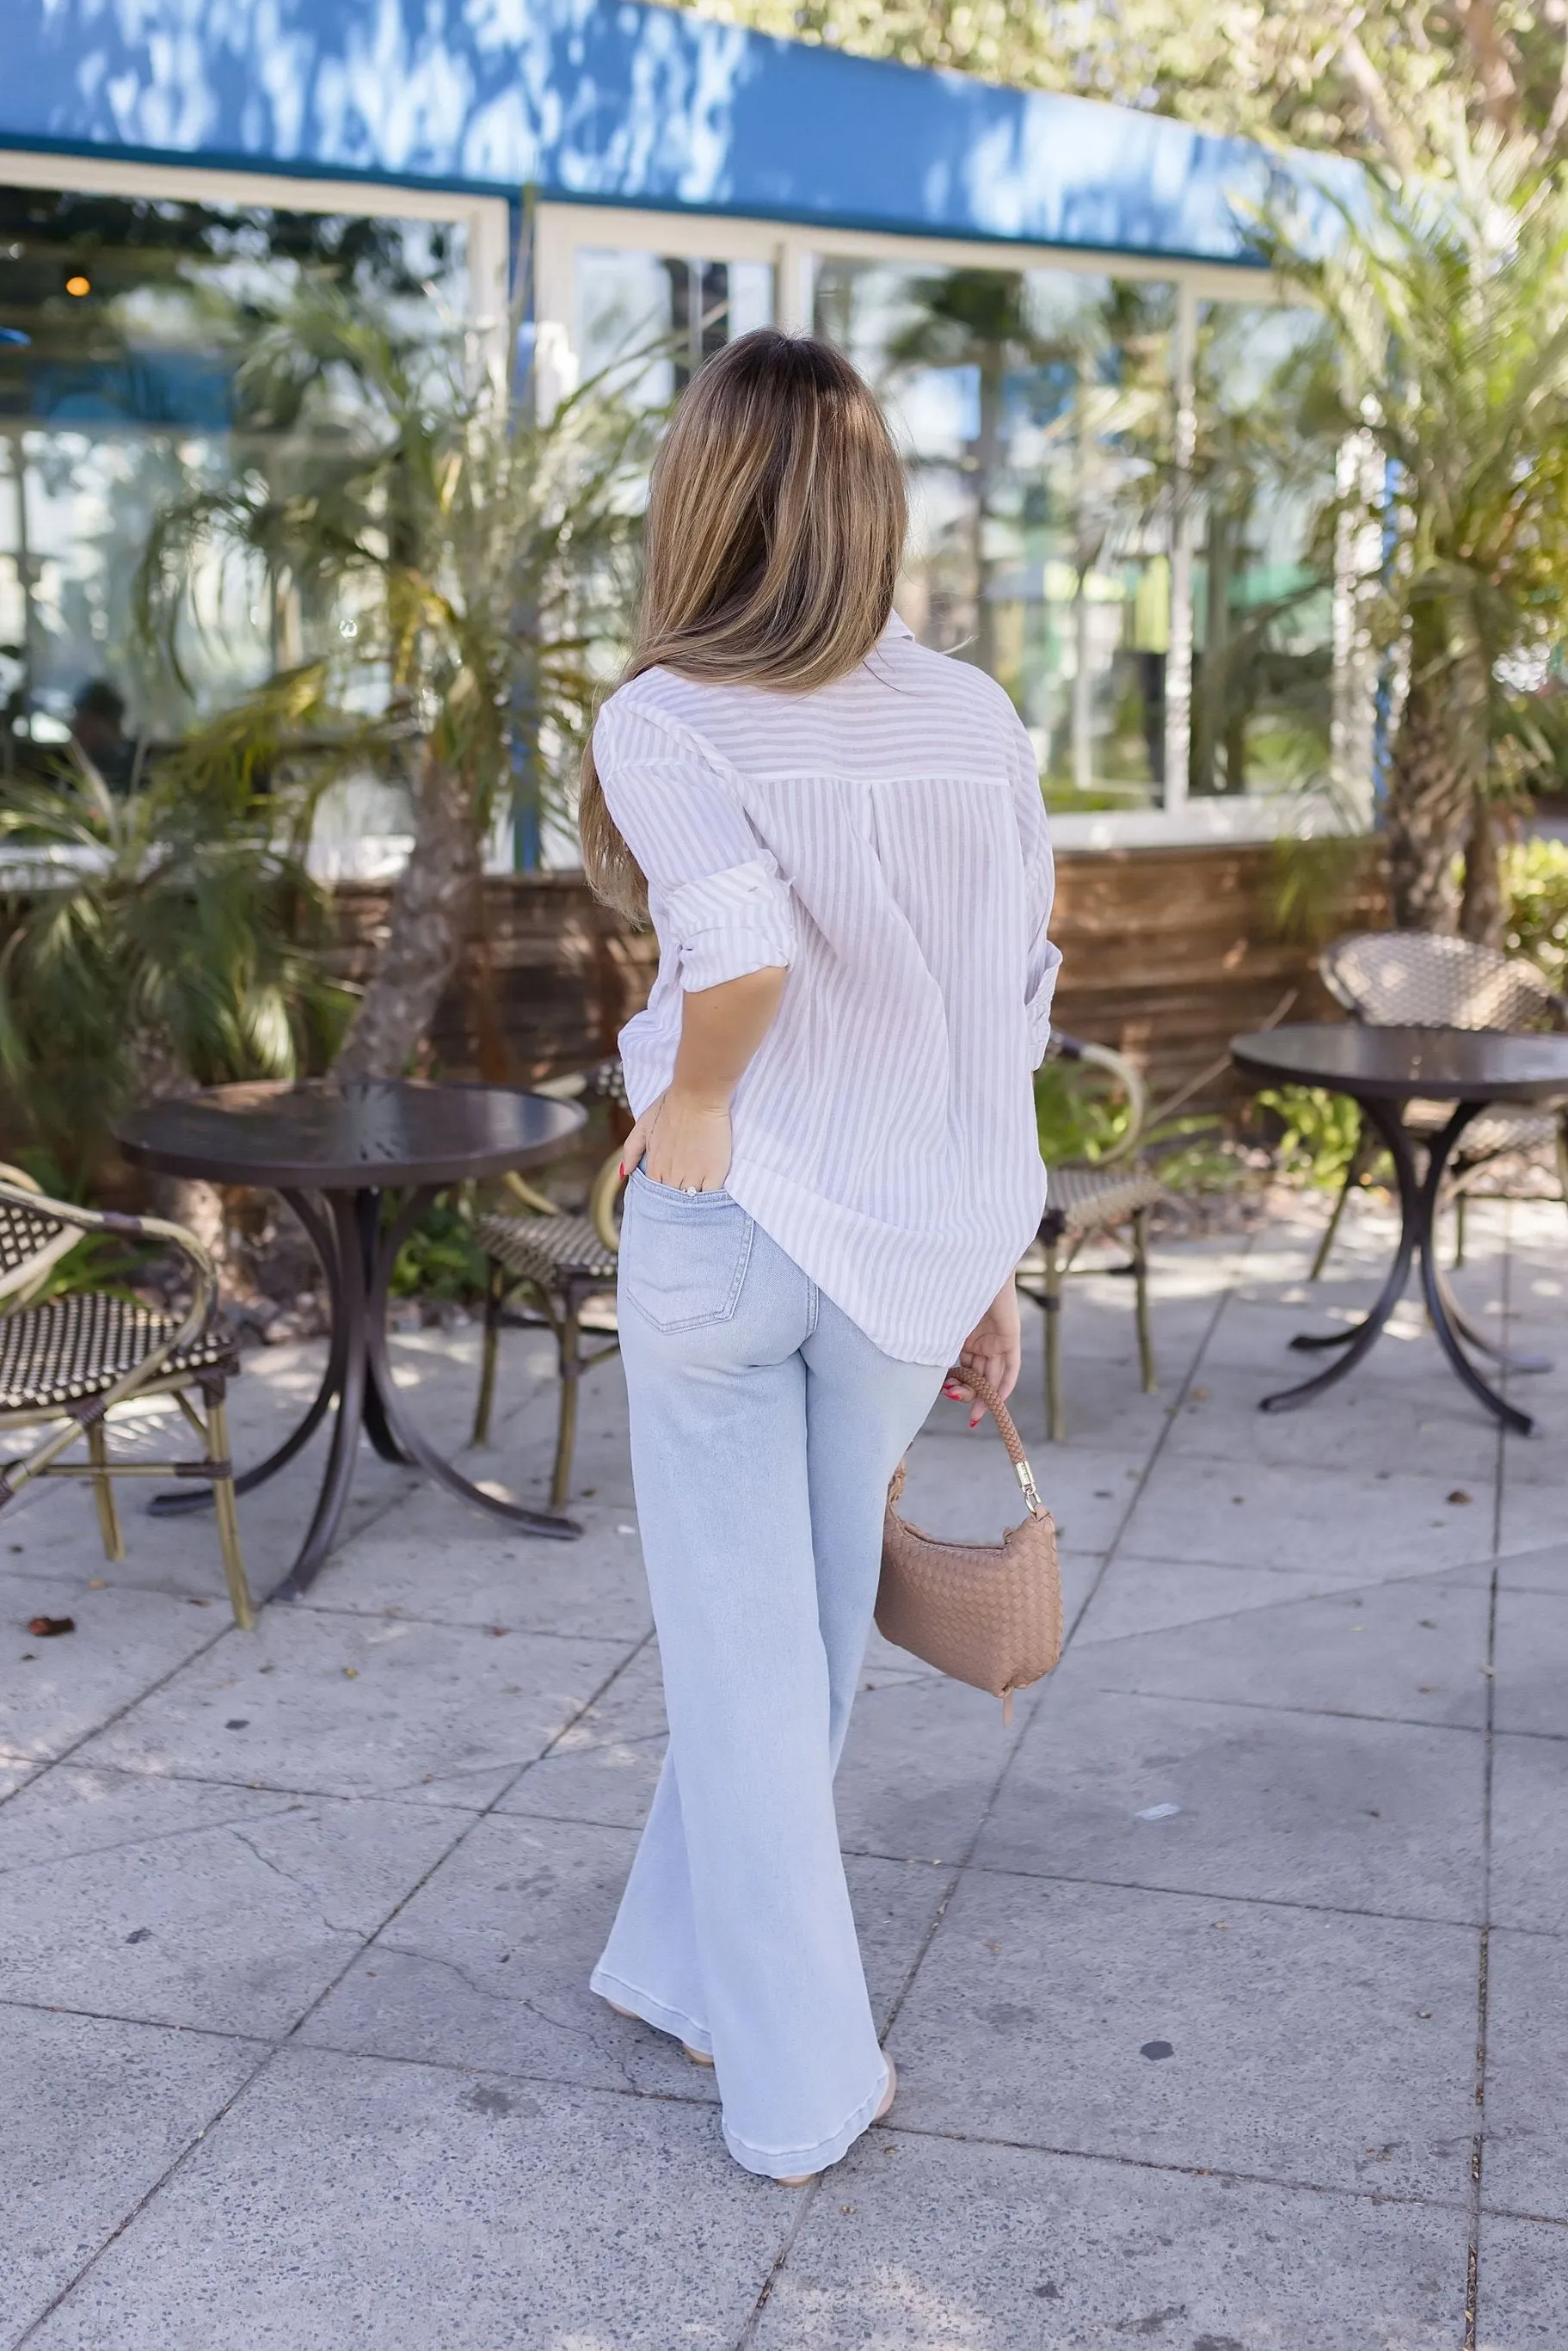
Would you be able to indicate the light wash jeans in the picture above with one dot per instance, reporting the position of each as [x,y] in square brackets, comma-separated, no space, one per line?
[765,1427]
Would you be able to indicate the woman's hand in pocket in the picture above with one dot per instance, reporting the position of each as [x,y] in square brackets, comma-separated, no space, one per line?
[683,1140]
[994,1348]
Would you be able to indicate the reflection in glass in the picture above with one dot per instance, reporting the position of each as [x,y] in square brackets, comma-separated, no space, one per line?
[1262,686]
[123,322]
[679,309]
[1035,410]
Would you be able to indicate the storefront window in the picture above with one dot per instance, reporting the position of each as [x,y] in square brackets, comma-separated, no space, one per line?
[668,311]
[1035,410]
[1262,687]
[122,324]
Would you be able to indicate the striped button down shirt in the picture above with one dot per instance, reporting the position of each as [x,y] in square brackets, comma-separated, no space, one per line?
[885,839]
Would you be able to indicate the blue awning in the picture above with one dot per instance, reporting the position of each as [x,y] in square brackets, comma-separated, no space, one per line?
[613,102]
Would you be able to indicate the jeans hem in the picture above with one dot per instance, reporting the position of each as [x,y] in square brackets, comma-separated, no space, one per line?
[790,2163]
[653,2012]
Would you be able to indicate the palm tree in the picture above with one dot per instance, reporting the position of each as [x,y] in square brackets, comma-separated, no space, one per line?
[464,570]
[153,941]
[1448,301]
[1095,381]
[1264,449]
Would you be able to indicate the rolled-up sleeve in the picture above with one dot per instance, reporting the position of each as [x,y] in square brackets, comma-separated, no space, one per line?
[1042,960]
[715,894]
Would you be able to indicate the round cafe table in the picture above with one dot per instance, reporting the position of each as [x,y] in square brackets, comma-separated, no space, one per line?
[1382,1070]
[335,1152]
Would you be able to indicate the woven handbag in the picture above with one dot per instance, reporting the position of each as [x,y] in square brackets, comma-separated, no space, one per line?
[987,1613]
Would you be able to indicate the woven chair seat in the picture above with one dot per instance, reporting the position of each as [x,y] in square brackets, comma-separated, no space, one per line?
[1087,1199]
[26,1235]
[73,1347]
[546,1249]
[1502,1129]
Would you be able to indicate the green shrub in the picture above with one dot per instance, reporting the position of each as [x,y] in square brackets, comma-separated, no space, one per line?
[1321,1132]
[1535,876]
[441,1258]
[1080,1110]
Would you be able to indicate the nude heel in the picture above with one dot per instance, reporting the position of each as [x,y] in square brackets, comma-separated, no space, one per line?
[804,2179]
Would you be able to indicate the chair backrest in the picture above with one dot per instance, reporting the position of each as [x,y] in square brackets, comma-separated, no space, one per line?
[1413,979]
[1063,1048]
[31,1239]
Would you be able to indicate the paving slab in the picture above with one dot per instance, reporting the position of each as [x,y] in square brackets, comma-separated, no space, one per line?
[1531,1662]
[1522,2286]
[1532,1511]
[356,1706]
[1424,1424]
[488,1964]
[346,2201]
[1413,1650]
[1274,1806]
[1350,1527]
[56,1531]
[409,1562]
[1530,1834]
[1099,1333]
[95,2113]
[604,1766]
[921,1760]
[1526,2166]
[55,1692]
[1263,1314]
[1104,1402]
[1544,1568]
[1303,2046]
[959,1485]
[1321,1772]
[74,1812]
[521,1450]
[1155,1595]
[15,1776]
[1534,1463]
[915,2244]
[214,1907]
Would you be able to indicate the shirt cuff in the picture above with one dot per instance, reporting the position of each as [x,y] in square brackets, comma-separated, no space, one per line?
[1039,1007]
[730,924]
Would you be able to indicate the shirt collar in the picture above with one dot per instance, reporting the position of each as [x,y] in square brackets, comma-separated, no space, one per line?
[897,628]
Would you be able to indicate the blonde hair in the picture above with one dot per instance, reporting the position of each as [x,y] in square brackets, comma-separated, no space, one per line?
[774,534]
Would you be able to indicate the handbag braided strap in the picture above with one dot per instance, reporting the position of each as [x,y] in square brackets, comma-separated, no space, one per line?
[986,1394]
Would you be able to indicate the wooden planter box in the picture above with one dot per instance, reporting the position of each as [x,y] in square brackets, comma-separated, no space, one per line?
[1167,954]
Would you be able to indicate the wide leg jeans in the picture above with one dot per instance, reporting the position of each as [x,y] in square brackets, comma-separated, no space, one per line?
[765,1428]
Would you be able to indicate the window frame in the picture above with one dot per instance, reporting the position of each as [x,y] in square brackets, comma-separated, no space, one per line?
[487,219]
[563,227]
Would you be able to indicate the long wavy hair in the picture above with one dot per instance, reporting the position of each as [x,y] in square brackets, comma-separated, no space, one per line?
[774,534]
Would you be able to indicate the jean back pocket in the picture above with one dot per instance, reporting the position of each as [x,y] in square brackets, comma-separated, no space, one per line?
[683,1254]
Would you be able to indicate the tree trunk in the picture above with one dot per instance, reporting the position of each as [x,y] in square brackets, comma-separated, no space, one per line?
[430,910]
[1430,793]
[157,1074]
[1482,911]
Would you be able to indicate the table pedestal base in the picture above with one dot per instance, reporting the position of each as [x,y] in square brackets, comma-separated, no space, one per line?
[358,1256]
[1419,1199]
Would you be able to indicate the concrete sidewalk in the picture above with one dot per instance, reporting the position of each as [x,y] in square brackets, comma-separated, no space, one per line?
[1227,1989]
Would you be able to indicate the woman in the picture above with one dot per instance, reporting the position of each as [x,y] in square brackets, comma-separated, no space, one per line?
[840,840]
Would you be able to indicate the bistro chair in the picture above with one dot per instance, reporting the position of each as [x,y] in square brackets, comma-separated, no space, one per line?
[546,1267]
[1417,980]
[67,1363]
[1092,1200]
